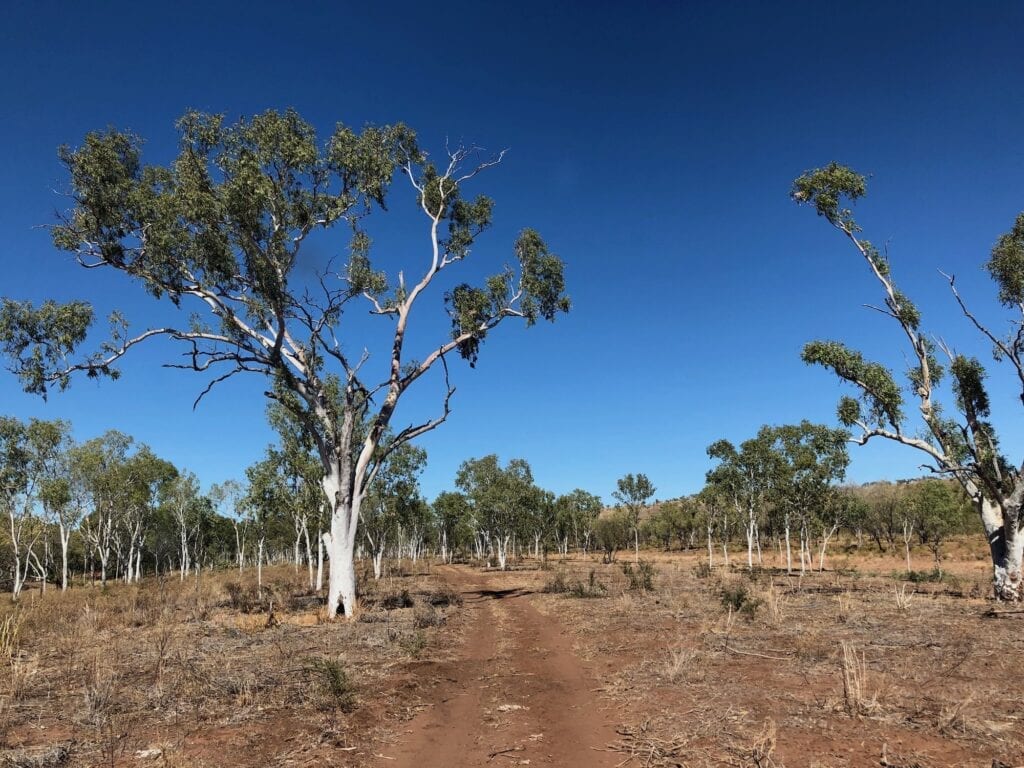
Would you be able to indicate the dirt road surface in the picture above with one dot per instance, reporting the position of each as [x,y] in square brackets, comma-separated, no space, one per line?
[517,694]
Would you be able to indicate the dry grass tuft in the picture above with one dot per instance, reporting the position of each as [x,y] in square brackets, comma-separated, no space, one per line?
[855,682]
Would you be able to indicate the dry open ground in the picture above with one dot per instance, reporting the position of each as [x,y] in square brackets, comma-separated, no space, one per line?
[455,665]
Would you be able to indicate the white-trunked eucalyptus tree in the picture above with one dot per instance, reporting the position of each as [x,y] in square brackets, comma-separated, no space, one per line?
[965,448]
[222,228]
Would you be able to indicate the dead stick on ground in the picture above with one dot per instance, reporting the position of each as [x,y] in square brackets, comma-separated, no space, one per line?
[758,655]
[497,752]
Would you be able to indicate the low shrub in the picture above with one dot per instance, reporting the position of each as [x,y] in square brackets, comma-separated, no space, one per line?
[444,597]
[427,615]
[333,682]
[247,598]
[395,600]
[414,644]
[557,585]
[641,578]
[702,570]
[560,585]
[593,587]
[739,600]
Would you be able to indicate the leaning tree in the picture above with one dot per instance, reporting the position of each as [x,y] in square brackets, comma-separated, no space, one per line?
[220,231]
[963,446]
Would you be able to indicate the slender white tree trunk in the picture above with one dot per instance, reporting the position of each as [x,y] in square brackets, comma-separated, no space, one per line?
[64,536]
[908,533]
[789,550]
[309,554]
[824,546]
[319,561]
[501,543]
[259,567]
[750,545]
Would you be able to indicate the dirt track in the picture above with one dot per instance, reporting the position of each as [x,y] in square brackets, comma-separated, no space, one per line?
[517,694]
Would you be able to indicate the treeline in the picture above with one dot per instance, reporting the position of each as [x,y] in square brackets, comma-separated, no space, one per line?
[110,508]
[106,508]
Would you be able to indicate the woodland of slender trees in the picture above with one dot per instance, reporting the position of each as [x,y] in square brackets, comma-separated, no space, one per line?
[108,509]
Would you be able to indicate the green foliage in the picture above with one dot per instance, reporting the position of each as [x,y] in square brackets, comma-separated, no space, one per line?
[671,519]
[333,681]
[502,499]
[880,392]
[938,509]
[826,188]
[223,225]
[542,281]
[612,533]
[739,599]
[414,644]
[641,578]
[634,492]
[37,341]
[575,515]
[1006,265]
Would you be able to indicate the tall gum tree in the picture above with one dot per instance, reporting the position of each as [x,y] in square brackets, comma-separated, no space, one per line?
[221,229]
[965,447]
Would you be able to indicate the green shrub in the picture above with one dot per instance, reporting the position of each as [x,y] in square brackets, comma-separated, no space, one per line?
[414,644]
[557,585]
[333,682]
[640,578]
[593,587]
[739,599]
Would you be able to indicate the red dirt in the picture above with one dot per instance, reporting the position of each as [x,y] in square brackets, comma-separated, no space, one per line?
[518,694]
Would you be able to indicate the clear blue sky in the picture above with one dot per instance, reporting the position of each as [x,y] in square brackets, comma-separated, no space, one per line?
[652,145]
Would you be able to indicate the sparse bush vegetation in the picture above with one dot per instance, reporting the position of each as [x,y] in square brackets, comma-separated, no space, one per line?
[444,597]
[332,680]
[414,643]
[561,585]
[426,615]
[395,600]
[640,578]
[739,599]
[557,585]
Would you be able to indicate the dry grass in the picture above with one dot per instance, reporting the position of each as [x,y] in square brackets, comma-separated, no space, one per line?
[195,674]
[832,661]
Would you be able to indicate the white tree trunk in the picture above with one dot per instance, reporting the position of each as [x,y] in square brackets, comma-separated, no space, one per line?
[319,561]
[259,568]
[341,548]
[501,543]
[824,546]
[309,554]
[908,533]
[789,550]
